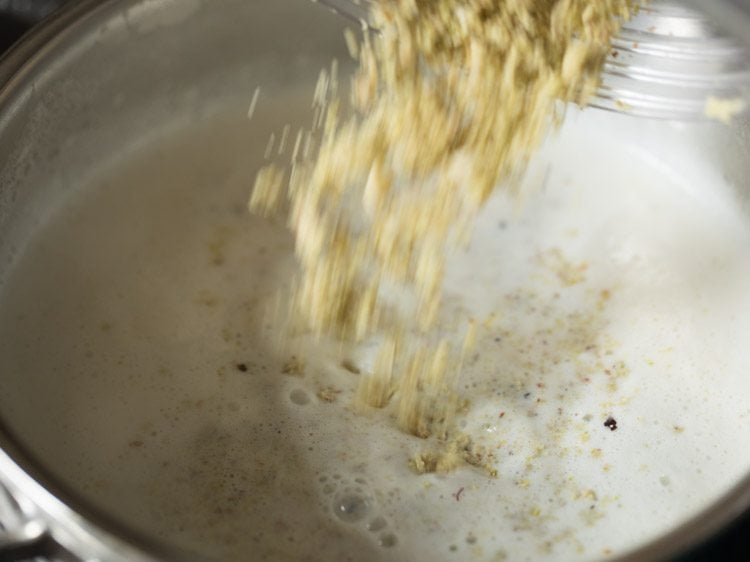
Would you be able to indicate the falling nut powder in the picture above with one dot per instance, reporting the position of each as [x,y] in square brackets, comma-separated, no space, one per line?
[450,100]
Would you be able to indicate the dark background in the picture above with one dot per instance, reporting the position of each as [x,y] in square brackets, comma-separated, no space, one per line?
[18,16]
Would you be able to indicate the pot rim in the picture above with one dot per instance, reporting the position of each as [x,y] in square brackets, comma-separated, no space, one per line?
[67,512]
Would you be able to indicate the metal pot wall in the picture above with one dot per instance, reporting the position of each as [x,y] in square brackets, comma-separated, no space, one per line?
[97,80]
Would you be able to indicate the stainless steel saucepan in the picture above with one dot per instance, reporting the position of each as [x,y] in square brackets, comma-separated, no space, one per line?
[94,84]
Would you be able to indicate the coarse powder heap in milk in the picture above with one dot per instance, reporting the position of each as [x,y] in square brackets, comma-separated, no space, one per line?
[451,99]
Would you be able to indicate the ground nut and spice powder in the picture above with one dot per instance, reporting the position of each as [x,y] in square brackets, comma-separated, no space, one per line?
[450,100]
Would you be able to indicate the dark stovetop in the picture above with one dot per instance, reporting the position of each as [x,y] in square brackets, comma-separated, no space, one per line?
[10,30]
[18,16]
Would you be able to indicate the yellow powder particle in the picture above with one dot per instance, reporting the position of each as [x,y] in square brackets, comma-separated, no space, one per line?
[328,394]
[724,109]
[294,366]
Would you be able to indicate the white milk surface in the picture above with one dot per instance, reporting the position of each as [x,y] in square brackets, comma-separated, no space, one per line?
[140,361]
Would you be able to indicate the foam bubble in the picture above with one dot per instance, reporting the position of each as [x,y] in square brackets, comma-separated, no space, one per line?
[351,507]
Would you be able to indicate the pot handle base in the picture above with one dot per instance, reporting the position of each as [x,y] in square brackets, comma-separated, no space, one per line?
[23,538]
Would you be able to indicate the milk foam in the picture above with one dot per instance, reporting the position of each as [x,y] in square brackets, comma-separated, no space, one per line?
[141,360]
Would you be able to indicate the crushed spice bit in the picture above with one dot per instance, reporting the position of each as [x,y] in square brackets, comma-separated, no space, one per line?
[611,423]
[242,367]
[294,366]
[328,394]
[451,454]
[567,272]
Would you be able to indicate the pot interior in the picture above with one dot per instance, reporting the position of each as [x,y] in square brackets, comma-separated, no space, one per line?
[141,351]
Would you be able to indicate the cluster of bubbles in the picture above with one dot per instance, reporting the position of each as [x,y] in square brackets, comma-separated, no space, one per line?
[351,503]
